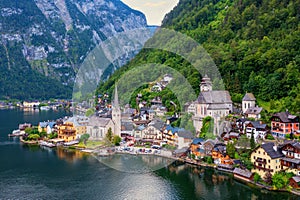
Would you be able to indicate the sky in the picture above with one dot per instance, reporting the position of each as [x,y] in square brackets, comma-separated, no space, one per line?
[154,10]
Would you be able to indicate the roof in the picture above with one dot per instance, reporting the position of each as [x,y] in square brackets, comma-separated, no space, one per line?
[43,124]
[254,110]
[241,172]
[292,160]
[216,96]
[269,149]
[127,126]
[286,117]
[185,134]
[157,123]
[51,124]
[258,124]
[183,150]
[249,97]
[197,140]
[98,121]
[220,106]
[296,179]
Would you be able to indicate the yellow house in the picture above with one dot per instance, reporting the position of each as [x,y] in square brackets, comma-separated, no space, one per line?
[42,127]
[266,158]
[67,132]
[79,127]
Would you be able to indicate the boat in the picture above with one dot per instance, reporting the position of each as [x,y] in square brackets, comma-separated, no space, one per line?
[45,107]
[16,133]
[47,144]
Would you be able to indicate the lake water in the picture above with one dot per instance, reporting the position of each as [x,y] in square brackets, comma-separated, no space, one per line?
[31,172]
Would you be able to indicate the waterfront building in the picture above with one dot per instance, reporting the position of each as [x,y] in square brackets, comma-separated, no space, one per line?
[266,158]
[284,123]
[66,132]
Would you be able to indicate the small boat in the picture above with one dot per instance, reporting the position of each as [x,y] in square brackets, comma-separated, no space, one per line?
[45,107]
[16,133]
[47,144]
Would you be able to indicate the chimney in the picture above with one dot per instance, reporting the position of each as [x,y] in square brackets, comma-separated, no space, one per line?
[275,147]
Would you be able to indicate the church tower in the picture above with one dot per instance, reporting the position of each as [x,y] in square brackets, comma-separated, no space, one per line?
[206,84]
[116,113]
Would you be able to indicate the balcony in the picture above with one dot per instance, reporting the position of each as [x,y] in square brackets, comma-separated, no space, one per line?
[263,168]
[261,161]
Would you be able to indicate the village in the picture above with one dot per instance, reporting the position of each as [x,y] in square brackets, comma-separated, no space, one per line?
[229,139]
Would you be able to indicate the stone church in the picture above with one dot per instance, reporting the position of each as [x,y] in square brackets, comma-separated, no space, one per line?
[214,103]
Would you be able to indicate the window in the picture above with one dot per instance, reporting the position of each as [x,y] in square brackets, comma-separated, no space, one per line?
[269,160]
[258,152]
[254,157]
[264,153]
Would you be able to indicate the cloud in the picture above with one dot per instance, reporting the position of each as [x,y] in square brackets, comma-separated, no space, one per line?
[155,4]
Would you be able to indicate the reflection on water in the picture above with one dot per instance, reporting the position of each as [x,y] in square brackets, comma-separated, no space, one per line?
[70,155]
[134,163]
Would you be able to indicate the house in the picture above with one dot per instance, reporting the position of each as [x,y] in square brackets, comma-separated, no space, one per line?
[22,127]
[258,129]
[248,101]
[231,136]
[153,130]
[184,138]
[208,146]
[138,131]
[291,161]
[79,123]
[51,127]
[42,127]
[253,112]
[66,132]
[266,158]
[243,174]
[126,128]
[177,137]
[295,182]
[241,123]
[220,156]
[213,103]
[196,148]
[284,123]
[98,127]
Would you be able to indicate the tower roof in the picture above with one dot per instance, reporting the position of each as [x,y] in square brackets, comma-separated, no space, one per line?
[116,98]
[249,97]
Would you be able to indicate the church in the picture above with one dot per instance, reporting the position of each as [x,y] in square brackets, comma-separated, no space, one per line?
[214,103]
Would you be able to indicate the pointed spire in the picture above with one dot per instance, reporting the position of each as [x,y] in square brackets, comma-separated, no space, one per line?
[116,98]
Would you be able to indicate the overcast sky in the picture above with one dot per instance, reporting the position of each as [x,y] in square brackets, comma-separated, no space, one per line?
[154,10]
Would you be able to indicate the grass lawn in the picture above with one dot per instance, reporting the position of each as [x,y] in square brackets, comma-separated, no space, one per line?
[91,144]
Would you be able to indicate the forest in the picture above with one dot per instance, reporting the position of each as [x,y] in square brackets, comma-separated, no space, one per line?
[254,44]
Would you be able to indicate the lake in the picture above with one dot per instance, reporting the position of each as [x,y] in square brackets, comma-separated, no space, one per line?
[31,172]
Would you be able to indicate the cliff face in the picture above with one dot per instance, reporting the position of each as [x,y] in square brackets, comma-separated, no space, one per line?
[47,40]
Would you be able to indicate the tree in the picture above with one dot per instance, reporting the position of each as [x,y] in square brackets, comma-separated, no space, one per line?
[256,177]
[281,179]
[28,130]
[230,149]
[116,140]
[109,135]
[268,178]
[252,141]
[84,138]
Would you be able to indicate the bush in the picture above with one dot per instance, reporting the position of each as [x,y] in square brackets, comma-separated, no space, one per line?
[270,137]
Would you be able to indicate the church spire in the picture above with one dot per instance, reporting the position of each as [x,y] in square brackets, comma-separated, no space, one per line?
[116,98]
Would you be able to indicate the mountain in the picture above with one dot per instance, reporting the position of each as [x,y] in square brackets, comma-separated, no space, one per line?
[254,44]
[44,42]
